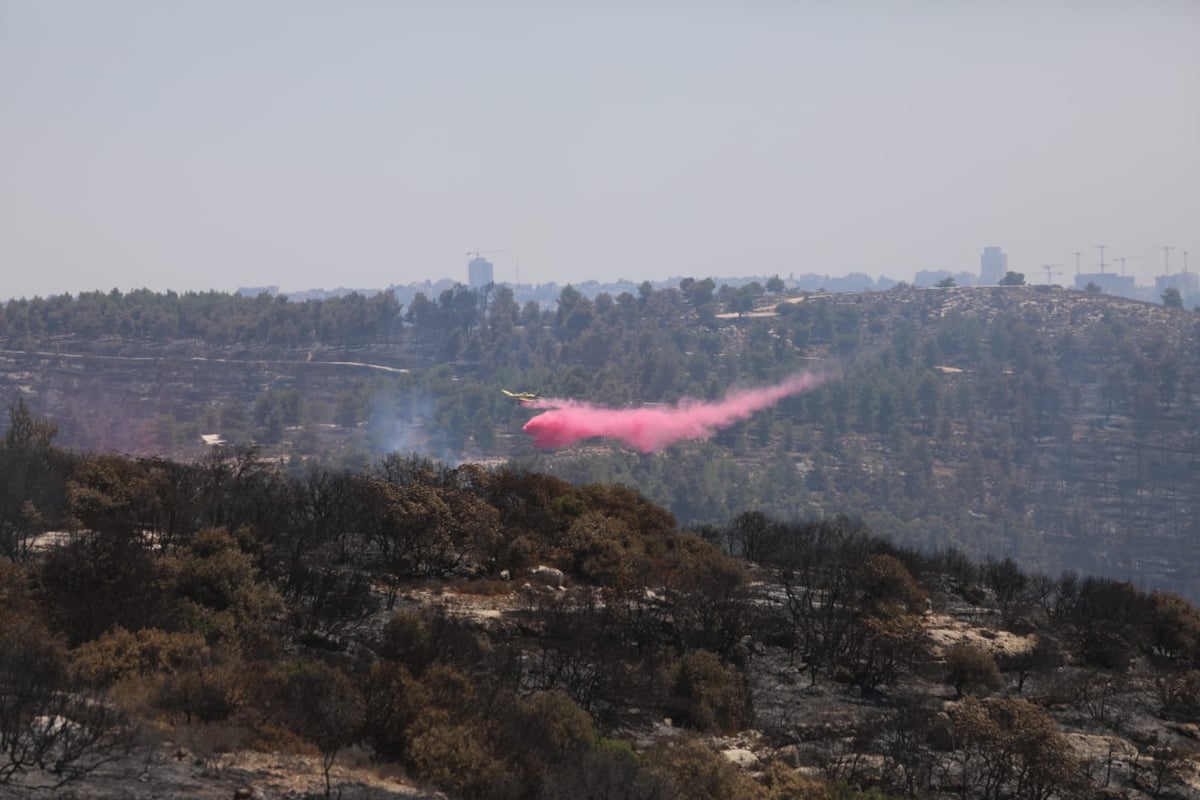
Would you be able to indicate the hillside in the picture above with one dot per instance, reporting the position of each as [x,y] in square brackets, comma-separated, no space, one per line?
[191,629]
[1058,427]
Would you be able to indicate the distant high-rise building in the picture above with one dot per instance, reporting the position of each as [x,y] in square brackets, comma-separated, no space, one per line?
[255,291]
[993,265]
[926,278]
[1187,283]
[479,272]
[1107,282]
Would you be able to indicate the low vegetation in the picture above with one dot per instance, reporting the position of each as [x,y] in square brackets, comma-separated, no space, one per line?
[232,604]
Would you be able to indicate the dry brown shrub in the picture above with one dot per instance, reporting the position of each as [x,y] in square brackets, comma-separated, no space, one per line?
[271,738]
[520,552]
[208,741]
[120,654]
[971,669]
[486,587]
[784,783]
[600,549]
[395,700]
[406,638]
[885,580]
[708,695]
[137,695]
[547,728]
[697,773]
[456,758]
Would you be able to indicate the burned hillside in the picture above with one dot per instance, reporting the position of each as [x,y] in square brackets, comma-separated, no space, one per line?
[503,634]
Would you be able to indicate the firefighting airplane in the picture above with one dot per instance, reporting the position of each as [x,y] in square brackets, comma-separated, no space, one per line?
[523,397]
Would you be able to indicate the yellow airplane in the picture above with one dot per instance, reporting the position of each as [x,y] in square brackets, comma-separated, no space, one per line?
[522,396]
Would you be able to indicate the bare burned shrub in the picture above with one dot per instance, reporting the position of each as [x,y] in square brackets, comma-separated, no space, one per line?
[46,723]
[1009,586]
[1174,630]
[1010,747]
[334,601]
[323,705]
[570,652]
[1164,768]
[205,691]
[1045,655]
[1178,694]
[1110,617]
[907,738]
[881,645]
[711,610]
[418,639]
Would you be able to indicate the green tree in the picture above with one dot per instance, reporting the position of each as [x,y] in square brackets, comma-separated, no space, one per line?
[217,593]
[1013,279]
[1172,298]
[27,432]
[32,482]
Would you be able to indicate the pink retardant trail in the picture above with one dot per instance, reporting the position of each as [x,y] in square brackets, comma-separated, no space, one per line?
[652,429]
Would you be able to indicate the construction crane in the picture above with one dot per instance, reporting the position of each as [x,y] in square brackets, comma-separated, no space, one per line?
[1077,254]
[1049,274]
[1101,248]
[478,253]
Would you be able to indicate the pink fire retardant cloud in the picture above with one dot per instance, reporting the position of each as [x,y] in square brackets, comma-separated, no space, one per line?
[652,429]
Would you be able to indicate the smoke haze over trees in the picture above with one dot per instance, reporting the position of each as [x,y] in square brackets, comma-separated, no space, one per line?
[1053,426]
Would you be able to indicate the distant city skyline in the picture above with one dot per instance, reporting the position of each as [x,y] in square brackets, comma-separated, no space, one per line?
[479,272]
[194,146]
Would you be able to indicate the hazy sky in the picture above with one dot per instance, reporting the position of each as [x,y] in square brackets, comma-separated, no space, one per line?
[194,145]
